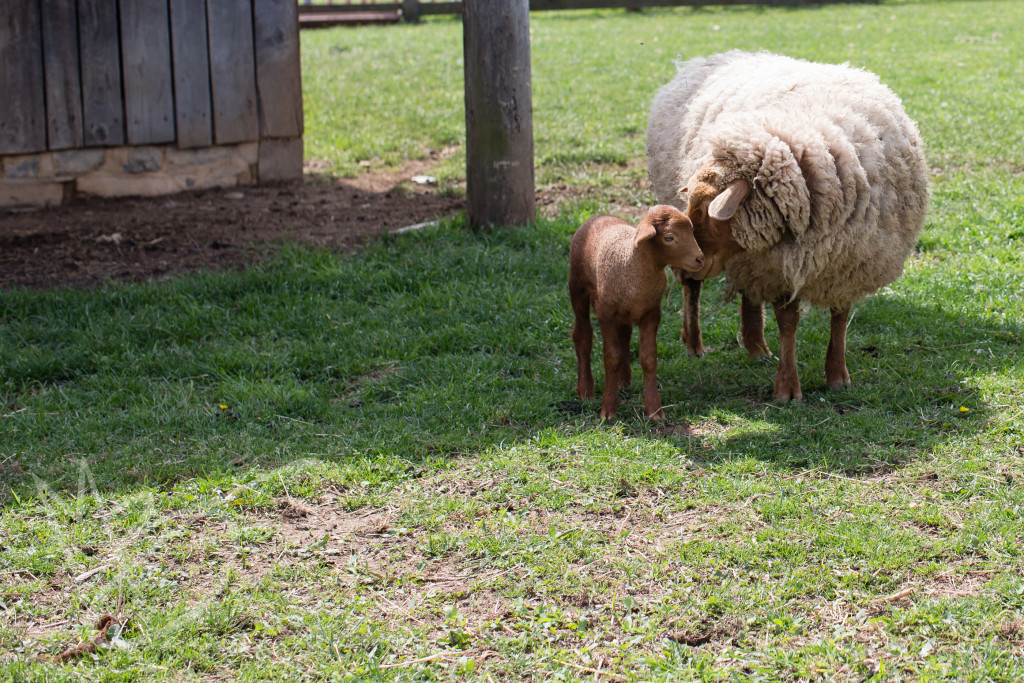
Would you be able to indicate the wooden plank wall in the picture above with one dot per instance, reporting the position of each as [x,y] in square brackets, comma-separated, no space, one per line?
[146,64]
[100,51]
[232,71]
[22,96]
[60,62]
[92,73]
[277,68]
[191,74]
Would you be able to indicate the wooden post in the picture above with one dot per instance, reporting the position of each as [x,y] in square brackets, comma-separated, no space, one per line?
[499,112]
[411,11]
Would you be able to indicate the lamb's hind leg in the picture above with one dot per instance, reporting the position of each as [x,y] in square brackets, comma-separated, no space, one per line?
[787,380]
[626,368]
[583,341]
[835,358]
[612,362]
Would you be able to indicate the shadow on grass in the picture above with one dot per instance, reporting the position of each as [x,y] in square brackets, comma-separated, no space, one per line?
[432,346]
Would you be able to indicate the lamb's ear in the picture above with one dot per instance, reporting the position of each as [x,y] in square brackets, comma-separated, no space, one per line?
[645,230]
[724,206]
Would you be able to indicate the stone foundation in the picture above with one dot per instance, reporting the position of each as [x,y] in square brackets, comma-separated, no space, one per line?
[51,178]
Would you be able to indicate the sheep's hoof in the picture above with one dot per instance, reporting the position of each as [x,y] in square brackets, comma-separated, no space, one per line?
[657,416]
[698,352]
[608,416]
[785,397]
[839,384]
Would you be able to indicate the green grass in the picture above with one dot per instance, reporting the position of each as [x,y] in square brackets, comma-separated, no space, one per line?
[369,467]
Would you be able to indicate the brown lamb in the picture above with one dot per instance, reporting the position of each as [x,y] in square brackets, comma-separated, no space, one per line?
[619,270]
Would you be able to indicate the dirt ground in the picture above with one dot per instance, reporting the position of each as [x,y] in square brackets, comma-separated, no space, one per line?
[92,241]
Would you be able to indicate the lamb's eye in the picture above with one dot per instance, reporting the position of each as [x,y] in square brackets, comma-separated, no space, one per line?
[669,238]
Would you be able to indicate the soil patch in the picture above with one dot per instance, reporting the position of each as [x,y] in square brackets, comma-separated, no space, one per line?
[94,241]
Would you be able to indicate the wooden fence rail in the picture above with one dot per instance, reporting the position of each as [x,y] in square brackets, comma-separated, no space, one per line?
[411,10]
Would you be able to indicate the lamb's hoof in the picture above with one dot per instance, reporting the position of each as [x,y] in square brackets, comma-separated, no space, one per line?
[658,416]
[698,352]
[585,392]
[839,384]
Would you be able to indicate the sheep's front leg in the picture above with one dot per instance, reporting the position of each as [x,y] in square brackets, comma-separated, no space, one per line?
[649,363]
[835,358]
[691,317]
[583,341]
[752,328]
[611,336]
[787,381]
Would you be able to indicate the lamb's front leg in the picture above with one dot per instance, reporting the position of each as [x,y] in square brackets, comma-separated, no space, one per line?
[835,358]
[611,338]
[787,380]
[691,316]
[649,363]
[752,328]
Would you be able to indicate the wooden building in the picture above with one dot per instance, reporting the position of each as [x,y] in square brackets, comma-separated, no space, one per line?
[146,97]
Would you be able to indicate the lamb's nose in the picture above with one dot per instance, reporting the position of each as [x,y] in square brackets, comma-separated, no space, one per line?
[700,261]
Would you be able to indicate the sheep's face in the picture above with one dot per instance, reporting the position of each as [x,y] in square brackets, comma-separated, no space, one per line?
[711,212]
[669,234]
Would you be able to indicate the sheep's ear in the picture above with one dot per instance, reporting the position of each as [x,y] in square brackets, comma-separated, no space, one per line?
[645,230]
[723,207]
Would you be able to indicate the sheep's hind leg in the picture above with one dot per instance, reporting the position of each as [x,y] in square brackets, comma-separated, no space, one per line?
[626,368]
[612,363]
[787,380]
[583,341]
[691,317]
[649,363]
[752,329]
[835,358]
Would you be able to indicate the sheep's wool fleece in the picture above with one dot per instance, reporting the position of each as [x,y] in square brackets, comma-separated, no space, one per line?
[837,169]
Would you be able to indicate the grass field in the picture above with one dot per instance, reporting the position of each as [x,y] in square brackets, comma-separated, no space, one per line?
[371,467]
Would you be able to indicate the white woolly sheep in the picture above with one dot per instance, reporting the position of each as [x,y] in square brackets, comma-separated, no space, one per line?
[804,181]
[620,271]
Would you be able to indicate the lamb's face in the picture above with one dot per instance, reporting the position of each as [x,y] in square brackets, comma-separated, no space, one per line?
[670,234]
[711,227]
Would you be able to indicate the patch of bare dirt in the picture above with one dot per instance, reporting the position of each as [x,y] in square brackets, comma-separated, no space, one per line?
[93,241]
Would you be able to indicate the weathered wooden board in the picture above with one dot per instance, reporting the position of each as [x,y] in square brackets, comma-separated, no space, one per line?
[278,74]
[22,95]
[191,56]
[232,71]
[146,65]
[63,82]
[102,107]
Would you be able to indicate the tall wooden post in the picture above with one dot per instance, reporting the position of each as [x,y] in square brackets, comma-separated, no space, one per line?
[499,112]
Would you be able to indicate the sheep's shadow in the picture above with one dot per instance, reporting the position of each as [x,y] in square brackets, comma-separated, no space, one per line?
[916,371]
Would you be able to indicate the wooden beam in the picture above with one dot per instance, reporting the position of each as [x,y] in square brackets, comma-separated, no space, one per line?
[22,95]
[499,112]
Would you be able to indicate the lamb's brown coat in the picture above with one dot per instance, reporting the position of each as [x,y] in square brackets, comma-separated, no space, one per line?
[619,270]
